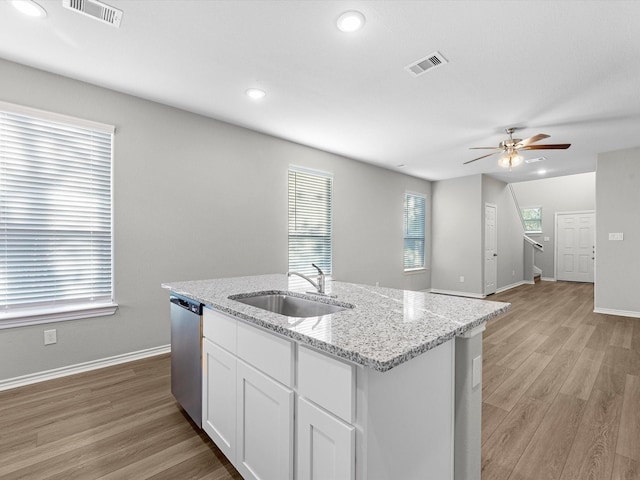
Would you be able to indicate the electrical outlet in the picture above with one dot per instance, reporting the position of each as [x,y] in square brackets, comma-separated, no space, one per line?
[513,273]
[50,337]
[377,284]
[476,372]
[461,279]
[616,236]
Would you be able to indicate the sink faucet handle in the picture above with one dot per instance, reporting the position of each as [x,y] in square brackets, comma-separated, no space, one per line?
[317,268]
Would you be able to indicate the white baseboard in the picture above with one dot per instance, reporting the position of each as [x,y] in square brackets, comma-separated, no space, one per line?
[81,367]
[547,279]
[620,313]
[457,294]
[514,285]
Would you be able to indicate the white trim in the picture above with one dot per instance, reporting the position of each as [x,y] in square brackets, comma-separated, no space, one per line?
[13,319]
[514,285]
[57,117]
[457,294]
[620,313]
[547,279]
[413,271]
[310,171]
[81,367]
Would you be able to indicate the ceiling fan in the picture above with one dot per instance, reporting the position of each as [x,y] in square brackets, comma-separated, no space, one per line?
[511,148]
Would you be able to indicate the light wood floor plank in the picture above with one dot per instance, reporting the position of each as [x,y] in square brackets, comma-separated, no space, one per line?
[491,419]
[629,433]
[547,385]
[546,454]
[510,391]
[625,469]
[583,375]
[622,334]
[504,447]
[580,337]
[593,451]
[517,356]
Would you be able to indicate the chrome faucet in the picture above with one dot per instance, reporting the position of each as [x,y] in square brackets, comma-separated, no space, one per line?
[318,286]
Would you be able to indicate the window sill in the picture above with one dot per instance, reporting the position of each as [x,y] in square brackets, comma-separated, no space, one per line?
[413,271]
[52,315]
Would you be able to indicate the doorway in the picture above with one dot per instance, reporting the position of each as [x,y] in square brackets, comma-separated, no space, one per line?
[490,248]
[575,246]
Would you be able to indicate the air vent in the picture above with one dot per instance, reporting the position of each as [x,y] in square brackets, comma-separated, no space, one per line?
[96,10]
[535,160]
[427,63]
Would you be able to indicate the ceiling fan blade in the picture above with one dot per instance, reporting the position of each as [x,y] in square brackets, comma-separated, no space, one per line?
[485,148]
[555,146]
[480,158]
[530,140]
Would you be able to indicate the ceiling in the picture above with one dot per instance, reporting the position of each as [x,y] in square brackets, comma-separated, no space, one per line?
[570,69]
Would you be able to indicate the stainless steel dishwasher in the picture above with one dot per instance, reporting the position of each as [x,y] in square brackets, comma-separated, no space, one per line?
[186,355]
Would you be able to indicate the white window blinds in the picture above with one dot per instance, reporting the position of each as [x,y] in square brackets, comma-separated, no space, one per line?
[310,198]
[55,211]
[414,229]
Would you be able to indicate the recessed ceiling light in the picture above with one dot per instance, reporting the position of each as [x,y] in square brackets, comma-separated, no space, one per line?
[350,21]
[542,171]
[29,8]
[255,93]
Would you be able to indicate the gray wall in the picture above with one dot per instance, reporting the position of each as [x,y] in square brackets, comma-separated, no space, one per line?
[457,233]
[570,193]
[228,185]
[618,211]
[510,245]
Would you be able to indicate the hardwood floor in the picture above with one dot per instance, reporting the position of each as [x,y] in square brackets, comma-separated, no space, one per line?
[114,423]
[561,390]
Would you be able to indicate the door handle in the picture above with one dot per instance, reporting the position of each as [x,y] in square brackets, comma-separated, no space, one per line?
[495,254]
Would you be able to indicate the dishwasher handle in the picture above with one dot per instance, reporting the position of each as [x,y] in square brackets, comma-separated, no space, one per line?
[187,304]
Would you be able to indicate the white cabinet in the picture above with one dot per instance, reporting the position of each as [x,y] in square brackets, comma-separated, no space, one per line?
[247,413]
[350,422]
[264,426]
[219,397]
[326,445]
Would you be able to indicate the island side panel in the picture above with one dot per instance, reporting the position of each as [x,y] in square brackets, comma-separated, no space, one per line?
[406,419]
[468,404]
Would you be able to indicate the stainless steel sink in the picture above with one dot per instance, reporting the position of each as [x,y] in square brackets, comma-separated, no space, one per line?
[290,305]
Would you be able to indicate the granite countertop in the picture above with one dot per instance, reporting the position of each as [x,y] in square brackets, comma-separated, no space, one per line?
[385,328]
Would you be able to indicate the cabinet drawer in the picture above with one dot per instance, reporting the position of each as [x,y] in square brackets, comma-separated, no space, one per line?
[220,329]
[266,351]
[327,381]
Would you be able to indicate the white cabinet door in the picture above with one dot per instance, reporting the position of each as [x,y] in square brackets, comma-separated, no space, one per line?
[265,426]
[326,445]
[219,397]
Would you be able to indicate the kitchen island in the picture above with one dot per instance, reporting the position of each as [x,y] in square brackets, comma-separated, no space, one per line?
[369,392]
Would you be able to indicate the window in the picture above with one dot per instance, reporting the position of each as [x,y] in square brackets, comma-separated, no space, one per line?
[310,197]
[532,219]
[55,216]
[414,220]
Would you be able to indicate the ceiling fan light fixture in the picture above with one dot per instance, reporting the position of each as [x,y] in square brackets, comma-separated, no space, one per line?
[511,159]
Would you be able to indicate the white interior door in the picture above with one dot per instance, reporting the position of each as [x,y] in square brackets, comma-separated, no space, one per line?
[575,246]
[490,248]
